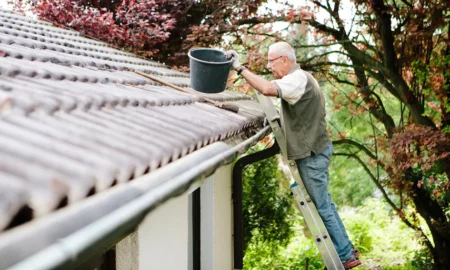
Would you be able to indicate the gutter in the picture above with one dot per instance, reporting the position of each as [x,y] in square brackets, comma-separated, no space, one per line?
[71,236]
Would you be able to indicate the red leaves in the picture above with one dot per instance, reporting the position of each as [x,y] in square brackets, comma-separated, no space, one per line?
[419,144]
[256,61]
[136,24]
[290,16]
[422,150]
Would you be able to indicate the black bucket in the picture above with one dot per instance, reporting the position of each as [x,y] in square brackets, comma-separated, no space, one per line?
[209,70]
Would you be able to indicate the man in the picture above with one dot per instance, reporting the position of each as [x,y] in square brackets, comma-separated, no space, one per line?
[304,125]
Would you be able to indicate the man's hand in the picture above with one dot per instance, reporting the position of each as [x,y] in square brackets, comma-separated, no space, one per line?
[233,55]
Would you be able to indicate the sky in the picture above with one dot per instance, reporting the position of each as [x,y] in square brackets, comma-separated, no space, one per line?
[3,4]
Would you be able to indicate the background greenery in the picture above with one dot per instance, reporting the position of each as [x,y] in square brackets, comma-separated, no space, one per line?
[276,237]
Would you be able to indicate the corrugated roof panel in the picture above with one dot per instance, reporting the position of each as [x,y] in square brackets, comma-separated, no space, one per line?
[102,139]
[106,170]
[151,117]
[81,180]
[121,160]
[47,189]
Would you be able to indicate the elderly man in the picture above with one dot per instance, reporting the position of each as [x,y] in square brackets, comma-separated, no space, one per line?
[304,125]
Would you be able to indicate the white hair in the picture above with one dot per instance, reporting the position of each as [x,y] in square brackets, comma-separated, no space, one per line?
[283,49]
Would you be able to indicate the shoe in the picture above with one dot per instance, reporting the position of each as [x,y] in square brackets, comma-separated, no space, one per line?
[352,262]
[355,251]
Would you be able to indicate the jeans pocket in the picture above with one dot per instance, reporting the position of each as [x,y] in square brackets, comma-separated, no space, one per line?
[321,162]
[327,152]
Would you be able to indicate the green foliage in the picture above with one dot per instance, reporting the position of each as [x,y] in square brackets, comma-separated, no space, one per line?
[266,203]
[349,183]
[422,259]
[296,255]
[446,130]
[360,235]
[380,236]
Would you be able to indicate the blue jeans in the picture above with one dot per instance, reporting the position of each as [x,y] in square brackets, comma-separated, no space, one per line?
[314,173]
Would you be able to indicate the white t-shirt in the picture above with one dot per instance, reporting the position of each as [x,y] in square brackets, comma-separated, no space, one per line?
[292,86]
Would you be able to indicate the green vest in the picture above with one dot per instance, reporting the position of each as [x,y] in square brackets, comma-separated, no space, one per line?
[304,122]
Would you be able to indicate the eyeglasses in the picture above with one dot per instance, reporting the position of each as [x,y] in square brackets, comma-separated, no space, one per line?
[270,61]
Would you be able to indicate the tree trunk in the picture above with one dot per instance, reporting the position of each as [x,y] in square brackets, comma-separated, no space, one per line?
[441,251]
[431,211]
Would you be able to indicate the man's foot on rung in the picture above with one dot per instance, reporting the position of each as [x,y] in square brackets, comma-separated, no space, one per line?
[351,263]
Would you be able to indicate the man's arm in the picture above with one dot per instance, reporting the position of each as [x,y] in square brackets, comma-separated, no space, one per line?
[260,84]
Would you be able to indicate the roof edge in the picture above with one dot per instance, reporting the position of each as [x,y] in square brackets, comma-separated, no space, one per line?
[64,239]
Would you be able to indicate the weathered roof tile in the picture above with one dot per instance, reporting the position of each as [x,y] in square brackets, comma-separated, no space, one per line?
[46,188]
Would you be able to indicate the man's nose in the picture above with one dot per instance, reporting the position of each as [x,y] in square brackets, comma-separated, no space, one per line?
[269,66]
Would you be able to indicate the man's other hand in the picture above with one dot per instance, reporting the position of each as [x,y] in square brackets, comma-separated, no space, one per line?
[233,55]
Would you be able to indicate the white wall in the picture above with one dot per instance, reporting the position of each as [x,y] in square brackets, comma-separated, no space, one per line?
[207,224]
[163,236]
[127,253]
[160,242]
[217,221]
[163,239]
[223,219]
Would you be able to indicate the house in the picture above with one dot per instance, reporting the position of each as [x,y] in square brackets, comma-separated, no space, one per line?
[101,168]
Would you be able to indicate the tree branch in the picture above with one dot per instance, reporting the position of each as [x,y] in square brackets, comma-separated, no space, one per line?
[337,42]
[358,145]
[322,55]
[388,200]
[264,34]
[364,60]
[407,3]
[374,108]
[372,177]
[341,81]
[381,79]
[318,64]
[384,29]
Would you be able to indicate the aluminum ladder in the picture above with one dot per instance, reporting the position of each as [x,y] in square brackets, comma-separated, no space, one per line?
[307,207]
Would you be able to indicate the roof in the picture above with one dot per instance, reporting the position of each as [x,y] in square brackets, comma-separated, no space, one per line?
[76,120]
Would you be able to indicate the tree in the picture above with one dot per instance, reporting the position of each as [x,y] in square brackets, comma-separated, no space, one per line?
[404,53]
[267,205]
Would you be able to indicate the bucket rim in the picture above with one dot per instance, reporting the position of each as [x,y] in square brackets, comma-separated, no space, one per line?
[206,62]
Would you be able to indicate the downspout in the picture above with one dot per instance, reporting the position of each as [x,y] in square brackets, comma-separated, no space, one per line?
[196,232]
[238,216]
[130,206]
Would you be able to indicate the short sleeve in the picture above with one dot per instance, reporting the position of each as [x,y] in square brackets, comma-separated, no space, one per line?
[292,86]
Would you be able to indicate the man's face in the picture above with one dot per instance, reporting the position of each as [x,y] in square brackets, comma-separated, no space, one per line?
[276,64]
